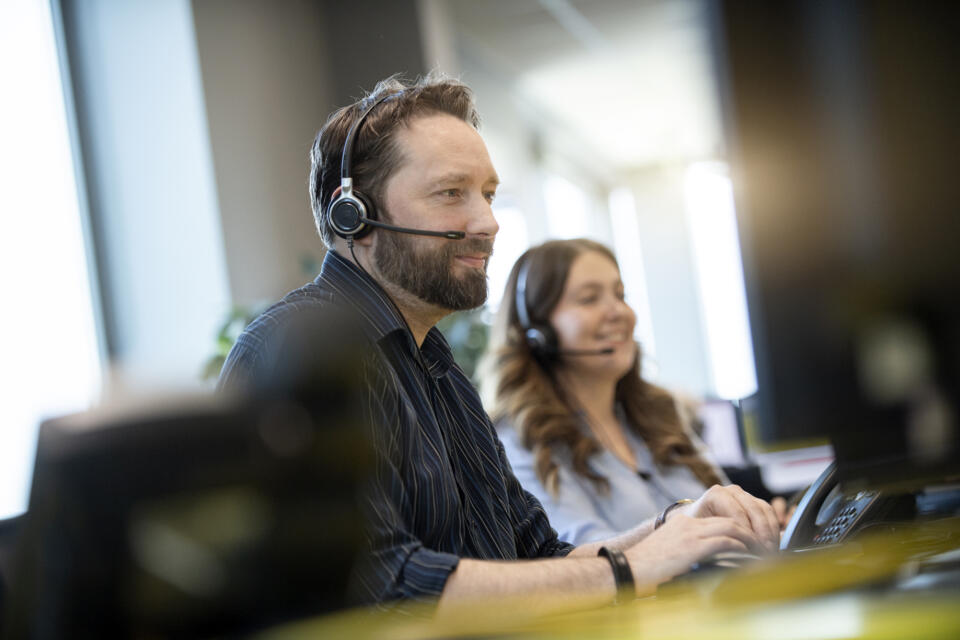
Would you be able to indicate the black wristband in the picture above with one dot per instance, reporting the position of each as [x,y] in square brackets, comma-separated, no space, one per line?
[622,575]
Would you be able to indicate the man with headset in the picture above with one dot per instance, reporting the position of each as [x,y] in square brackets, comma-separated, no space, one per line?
[401,187]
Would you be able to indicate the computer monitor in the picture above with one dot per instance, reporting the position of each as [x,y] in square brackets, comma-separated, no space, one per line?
[213,516]
[843,132]
[197,521]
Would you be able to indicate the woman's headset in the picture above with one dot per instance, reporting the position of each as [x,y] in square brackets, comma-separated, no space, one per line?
[542,338]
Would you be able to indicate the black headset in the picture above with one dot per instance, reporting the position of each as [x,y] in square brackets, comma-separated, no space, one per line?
[541,338]
[351,214]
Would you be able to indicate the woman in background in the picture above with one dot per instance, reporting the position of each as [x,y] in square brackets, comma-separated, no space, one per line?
[601,448]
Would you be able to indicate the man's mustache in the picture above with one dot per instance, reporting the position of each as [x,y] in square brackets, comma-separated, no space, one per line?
[473,246]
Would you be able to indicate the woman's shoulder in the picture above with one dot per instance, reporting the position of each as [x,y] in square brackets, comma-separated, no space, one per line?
[508,435]
[523,461]
[518,453]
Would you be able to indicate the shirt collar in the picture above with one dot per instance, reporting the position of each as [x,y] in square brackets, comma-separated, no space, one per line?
[382,318]
[353,285]
[436,353]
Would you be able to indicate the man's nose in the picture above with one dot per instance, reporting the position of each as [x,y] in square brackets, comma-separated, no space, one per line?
[482,221]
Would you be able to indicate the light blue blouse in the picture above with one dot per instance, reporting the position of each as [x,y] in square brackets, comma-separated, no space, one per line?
[580,513]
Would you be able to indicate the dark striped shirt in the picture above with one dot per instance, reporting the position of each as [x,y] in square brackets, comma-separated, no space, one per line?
[444,487]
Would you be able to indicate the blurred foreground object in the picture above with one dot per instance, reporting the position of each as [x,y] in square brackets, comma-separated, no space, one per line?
[207,518]
[842,128]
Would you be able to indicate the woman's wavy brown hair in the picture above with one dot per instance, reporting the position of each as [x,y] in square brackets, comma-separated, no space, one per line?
[526,390]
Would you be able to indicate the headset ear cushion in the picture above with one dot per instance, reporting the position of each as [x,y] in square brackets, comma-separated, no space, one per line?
[346,215]
[542,341]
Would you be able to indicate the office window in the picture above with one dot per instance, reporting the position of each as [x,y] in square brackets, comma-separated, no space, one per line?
[712,222]
[51,360]
[568,208]
[511,242]
[629,250]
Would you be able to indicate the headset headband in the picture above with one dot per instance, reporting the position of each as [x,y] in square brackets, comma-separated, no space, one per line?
[521,298]
[347,156]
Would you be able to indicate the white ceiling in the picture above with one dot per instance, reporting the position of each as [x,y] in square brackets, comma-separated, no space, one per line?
[632,76]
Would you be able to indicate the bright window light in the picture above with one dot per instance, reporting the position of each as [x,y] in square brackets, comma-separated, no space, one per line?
[716,249]
[568,208]
[510,244]
[51,362]
[629,250]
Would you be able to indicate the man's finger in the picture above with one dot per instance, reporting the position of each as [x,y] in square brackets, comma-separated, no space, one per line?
[721,527]
[780,508]
[720,502]
[762,518]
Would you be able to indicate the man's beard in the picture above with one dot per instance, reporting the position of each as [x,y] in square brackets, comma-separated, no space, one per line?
[429,274]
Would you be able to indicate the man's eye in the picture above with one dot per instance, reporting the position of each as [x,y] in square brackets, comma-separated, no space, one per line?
[450,193]
[588,300]
[490,196]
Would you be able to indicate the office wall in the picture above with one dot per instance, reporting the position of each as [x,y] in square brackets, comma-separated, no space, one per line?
[369,40]
[272,73]
[266,75]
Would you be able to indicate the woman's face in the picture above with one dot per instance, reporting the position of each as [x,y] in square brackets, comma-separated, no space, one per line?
[592,315]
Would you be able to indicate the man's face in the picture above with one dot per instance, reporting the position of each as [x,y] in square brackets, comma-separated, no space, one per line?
[446,182]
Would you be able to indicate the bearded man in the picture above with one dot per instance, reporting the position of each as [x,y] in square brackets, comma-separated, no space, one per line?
[401,187]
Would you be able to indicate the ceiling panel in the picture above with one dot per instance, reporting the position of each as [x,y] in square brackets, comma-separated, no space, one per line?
[634,78]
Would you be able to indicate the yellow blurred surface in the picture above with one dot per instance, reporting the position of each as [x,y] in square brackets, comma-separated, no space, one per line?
[872,588]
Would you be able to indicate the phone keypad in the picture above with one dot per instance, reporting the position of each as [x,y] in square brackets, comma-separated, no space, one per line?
[842,523]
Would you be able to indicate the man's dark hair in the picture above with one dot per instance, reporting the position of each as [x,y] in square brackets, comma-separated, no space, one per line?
[376,154]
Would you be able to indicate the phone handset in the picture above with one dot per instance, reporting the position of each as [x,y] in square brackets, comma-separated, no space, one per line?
[802,527]
[827,515]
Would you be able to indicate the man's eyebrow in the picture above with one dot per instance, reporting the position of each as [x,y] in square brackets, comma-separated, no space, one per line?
[460,178]
[450,178]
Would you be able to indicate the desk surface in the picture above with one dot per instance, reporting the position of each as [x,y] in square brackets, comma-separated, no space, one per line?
[901,585]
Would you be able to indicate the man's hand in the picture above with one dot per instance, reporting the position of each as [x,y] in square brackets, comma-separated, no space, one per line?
[681,541]
[751,513]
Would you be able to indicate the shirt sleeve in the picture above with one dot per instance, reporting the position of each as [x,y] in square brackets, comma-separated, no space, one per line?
[395,565]
[573,511]
[236,374]
[263,346]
